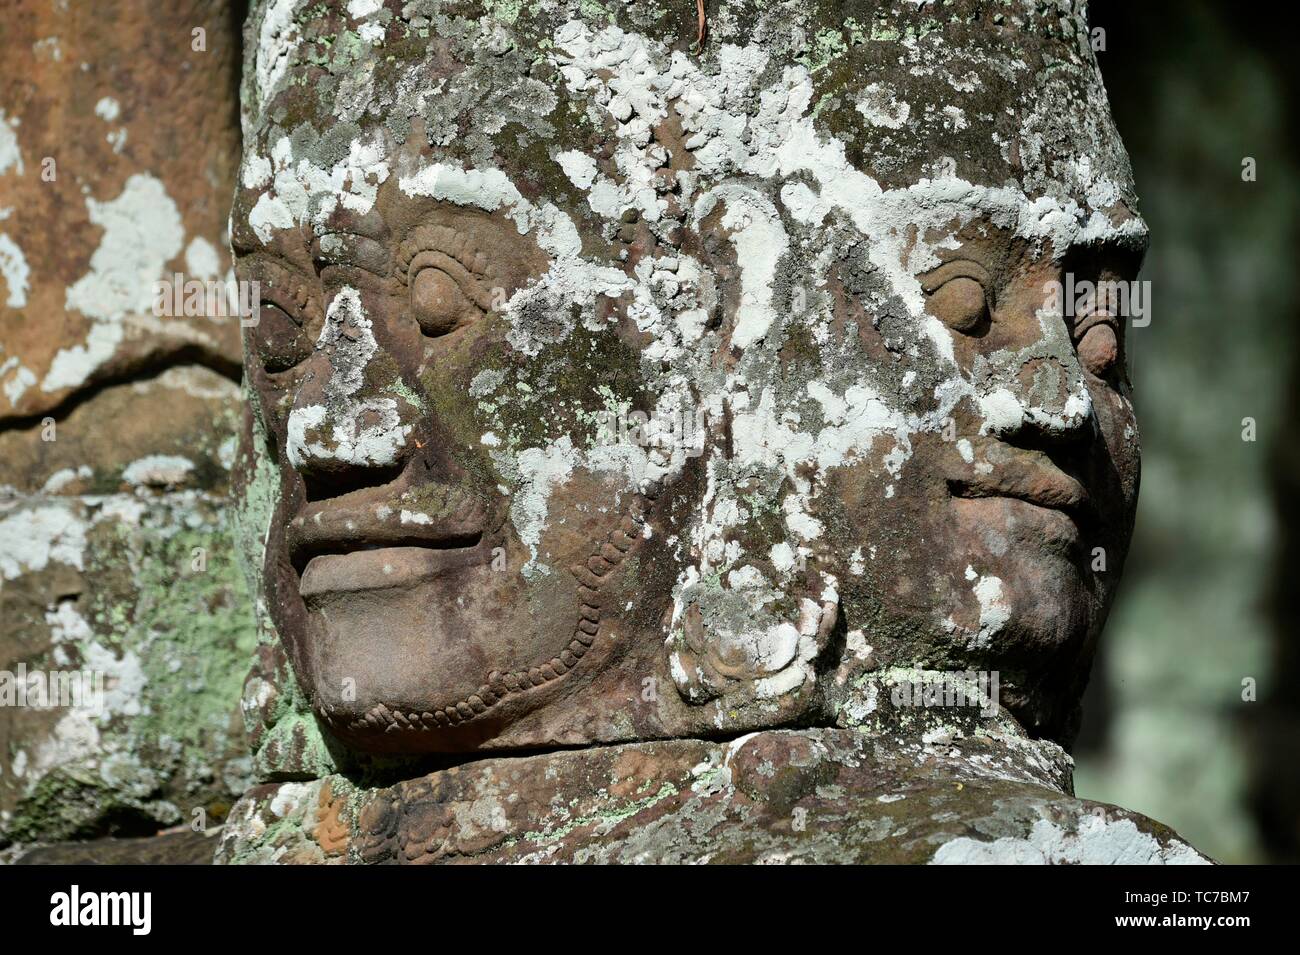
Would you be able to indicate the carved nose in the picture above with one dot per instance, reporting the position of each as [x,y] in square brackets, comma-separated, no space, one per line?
[350,425]
[1045,397]
[1055,394]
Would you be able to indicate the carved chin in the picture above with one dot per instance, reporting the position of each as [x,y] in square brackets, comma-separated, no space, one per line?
[418,650]
[413,666]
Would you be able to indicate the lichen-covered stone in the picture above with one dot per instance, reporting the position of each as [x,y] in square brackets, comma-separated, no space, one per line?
[183,846]
[118,420]
[782,796]
[486,234]
[114,174]
[510,254]
[145,591]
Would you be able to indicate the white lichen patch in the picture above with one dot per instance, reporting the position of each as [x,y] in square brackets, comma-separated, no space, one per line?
[61,478]
[277,39]
[881,108]
[540,470]
[15,272]
[353,426]
[158,470]
[142,231]
[32,538]
[201,260]
[994,610]
[108,109]
[11,158]
[301,193]
[1095,842]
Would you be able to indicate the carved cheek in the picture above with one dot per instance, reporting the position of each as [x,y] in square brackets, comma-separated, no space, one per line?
[438,303]
[280,342]
[1117,431]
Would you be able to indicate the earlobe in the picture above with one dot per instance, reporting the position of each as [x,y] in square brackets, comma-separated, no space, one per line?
[711,657]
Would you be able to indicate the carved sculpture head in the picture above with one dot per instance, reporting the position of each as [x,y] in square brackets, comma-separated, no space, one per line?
[622,388]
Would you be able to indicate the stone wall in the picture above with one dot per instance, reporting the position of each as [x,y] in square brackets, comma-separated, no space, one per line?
[119,139]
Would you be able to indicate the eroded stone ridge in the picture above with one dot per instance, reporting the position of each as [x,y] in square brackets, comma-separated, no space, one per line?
[827,796]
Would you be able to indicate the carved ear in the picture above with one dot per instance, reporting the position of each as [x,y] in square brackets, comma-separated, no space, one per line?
[714,651]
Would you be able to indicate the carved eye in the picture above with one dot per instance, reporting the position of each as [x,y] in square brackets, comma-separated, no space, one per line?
[447,278]
[957,293]
[281,342]
[960,304]
[288,318]
[444,294]
[439,302]
[1099,349]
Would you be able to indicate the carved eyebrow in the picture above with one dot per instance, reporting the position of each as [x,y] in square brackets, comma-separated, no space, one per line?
[456,244]
[347,247]
[1125,249]
[274,272]
[955,269]
[368,225]
[286,283]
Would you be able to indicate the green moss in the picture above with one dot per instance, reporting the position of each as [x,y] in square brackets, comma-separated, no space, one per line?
[506,11]
[165,597]
[293,745]
[529,409]
[608,816]
[195,617]
[257,496]
[594,10]
[60,807]
[403,391]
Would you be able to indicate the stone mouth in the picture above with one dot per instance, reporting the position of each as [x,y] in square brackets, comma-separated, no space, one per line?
[456,521]
[378,567]
[410,724]
[1028,477]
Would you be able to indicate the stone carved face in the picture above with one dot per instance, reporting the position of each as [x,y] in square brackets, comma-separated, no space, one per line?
[616,392]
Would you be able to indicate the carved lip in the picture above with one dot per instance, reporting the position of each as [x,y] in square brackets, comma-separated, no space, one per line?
[382,568]
[451,519]
[1037,482]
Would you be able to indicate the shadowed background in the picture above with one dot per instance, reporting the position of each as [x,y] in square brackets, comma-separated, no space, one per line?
[1196,88]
